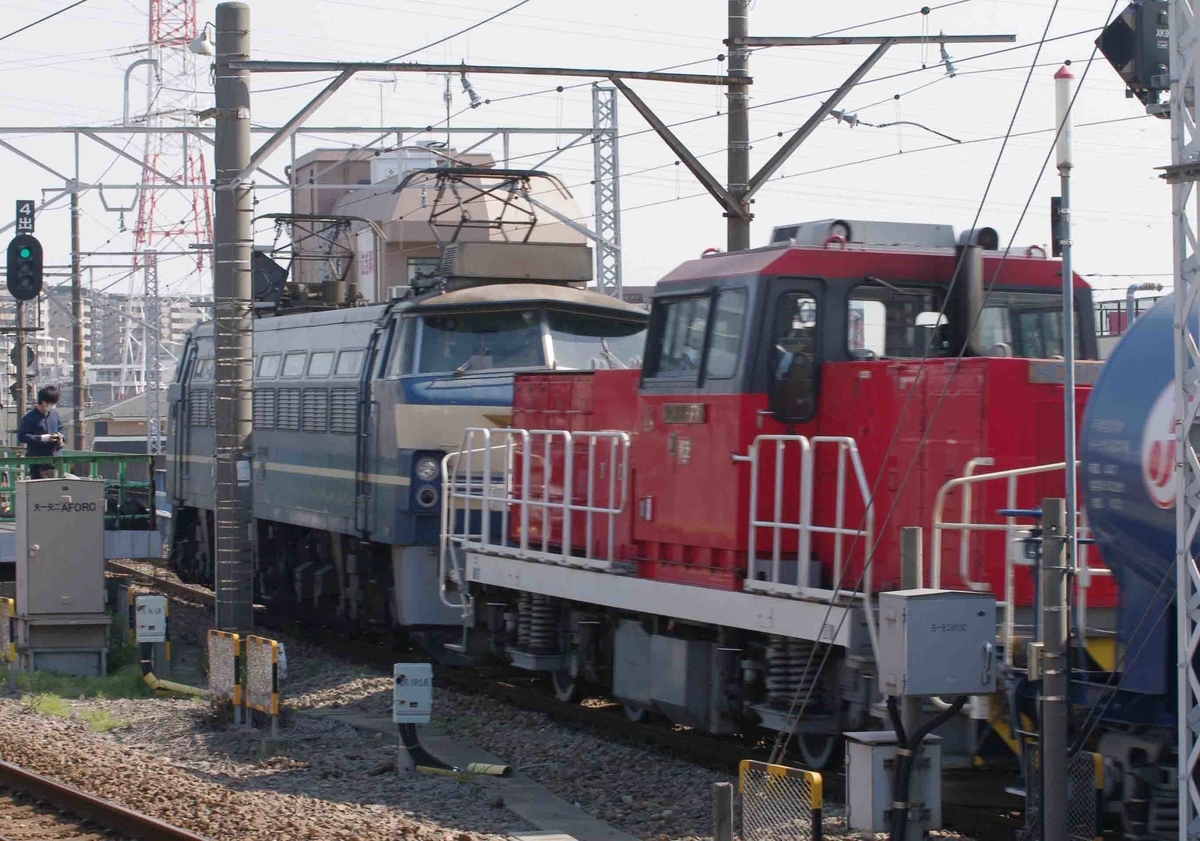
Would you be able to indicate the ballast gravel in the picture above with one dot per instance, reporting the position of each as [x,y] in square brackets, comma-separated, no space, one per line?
[325,779]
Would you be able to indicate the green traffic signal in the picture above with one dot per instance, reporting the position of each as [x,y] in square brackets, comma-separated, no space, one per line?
[25,252]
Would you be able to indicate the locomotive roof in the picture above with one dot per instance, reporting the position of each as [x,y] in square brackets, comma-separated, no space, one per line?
[927,265]
[500,294]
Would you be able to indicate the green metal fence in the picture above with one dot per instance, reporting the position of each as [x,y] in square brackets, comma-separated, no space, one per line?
[130,498]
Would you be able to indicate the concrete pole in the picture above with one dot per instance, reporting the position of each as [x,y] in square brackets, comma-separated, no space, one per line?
[233,324]
[738,58]
[1054,669]
[722,797]
[911,578]
[76,322]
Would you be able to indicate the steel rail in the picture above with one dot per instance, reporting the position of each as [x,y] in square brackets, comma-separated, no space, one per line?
[89,806]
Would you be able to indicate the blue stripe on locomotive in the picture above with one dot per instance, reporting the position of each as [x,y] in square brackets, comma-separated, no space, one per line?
[1135,534]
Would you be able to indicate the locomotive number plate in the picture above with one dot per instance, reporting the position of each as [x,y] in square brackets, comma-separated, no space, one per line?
[683,413]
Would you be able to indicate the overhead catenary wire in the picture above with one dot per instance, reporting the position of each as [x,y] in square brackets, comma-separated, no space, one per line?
[428,46]
[43,19]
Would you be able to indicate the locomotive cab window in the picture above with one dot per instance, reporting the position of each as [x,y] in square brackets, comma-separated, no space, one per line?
[583,341]
[793,358]
[204,369]
[469,342]
[883,320]
[681,327]
[1025,324]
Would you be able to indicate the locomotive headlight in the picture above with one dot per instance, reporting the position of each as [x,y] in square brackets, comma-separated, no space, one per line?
[427,469]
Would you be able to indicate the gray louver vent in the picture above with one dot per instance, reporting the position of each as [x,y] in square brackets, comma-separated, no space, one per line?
[316,409]
[343,411]
[287,409]
[198,408]
[264,408]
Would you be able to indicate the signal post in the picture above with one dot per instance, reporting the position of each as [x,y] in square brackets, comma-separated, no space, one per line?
[24,281]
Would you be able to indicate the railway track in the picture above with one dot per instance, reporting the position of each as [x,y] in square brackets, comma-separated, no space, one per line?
[35,807]
[973,800]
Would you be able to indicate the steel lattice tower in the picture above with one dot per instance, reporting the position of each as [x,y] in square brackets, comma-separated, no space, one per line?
[608,190]
[172,214]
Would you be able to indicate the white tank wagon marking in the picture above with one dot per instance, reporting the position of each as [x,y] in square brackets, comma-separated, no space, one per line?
[795,618]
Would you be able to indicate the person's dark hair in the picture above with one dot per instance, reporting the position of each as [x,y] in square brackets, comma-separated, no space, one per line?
[49,394]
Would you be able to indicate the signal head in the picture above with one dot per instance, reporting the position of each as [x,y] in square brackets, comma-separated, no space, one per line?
[24,269]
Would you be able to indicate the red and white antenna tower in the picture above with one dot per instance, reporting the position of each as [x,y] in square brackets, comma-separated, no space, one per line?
[173,219]
[174,212]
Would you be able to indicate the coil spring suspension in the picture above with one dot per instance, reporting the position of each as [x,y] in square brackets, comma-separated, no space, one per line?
[542,624]
[524,608]
[791,669]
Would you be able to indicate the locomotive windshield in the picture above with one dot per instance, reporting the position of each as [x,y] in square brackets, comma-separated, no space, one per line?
[582,341]
[463,343]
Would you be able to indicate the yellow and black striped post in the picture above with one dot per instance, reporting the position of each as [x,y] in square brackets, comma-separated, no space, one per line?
[269,706]
[778,801]
[1099,774]
[234,684]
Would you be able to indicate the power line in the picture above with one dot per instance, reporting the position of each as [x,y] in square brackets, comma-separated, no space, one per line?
[42,20]
[464,31]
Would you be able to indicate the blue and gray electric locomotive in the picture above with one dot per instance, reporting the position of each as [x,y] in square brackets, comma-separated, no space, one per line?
[354,409]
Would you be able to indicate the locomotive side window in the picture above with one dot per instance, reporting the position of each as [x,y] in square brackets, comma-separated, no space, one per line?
[679,351]
[268,366]
[293,364]
[349,363]
[204,369]
[793,358]
[725,344]
[321,364]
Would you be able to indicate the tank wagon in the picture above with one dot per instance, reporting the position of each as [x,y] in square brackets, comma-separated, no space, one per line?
[692,536]
[354,409]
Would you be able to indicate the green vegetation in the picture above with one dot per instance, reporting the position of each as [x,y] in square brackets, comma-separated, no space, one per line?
[100,720]
[47,704]
[125,682]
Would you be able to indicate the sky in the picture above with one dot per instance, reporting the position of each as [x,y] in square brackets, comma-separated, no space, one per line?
[69,70]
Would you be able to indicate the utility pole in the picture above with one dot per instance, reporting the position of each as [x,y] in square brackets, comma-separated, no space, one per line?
[1054,669]
[76,321]
[233,237]
[738,224]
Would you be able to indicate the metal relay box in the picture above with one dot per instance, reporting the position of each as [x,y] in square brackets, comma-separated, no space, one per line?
[937,642]
[412,693]
[870,766]
[61,623]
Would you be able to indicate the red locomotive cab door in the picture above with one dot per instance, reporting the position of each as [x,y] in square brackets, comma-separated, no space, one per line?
[793,336]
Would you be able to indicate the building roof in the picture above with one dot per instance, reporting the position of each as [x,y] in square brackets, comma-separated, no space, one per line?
[131,408]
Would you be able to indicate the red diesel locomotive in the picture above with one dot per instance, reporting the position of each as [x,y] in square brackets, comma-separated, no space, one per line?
[686,535]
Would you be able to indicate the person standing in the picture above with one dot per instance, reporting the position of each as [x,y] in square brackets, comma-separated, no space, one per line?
[41,432]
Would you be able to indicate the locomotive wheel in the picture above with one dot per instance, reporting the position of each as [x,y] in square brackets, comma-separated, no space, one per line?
[566,688]
[816,749]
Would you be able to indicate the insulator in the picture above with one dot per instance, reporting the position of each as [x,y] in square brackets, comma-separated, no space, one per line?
[524,606]
[542,624]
